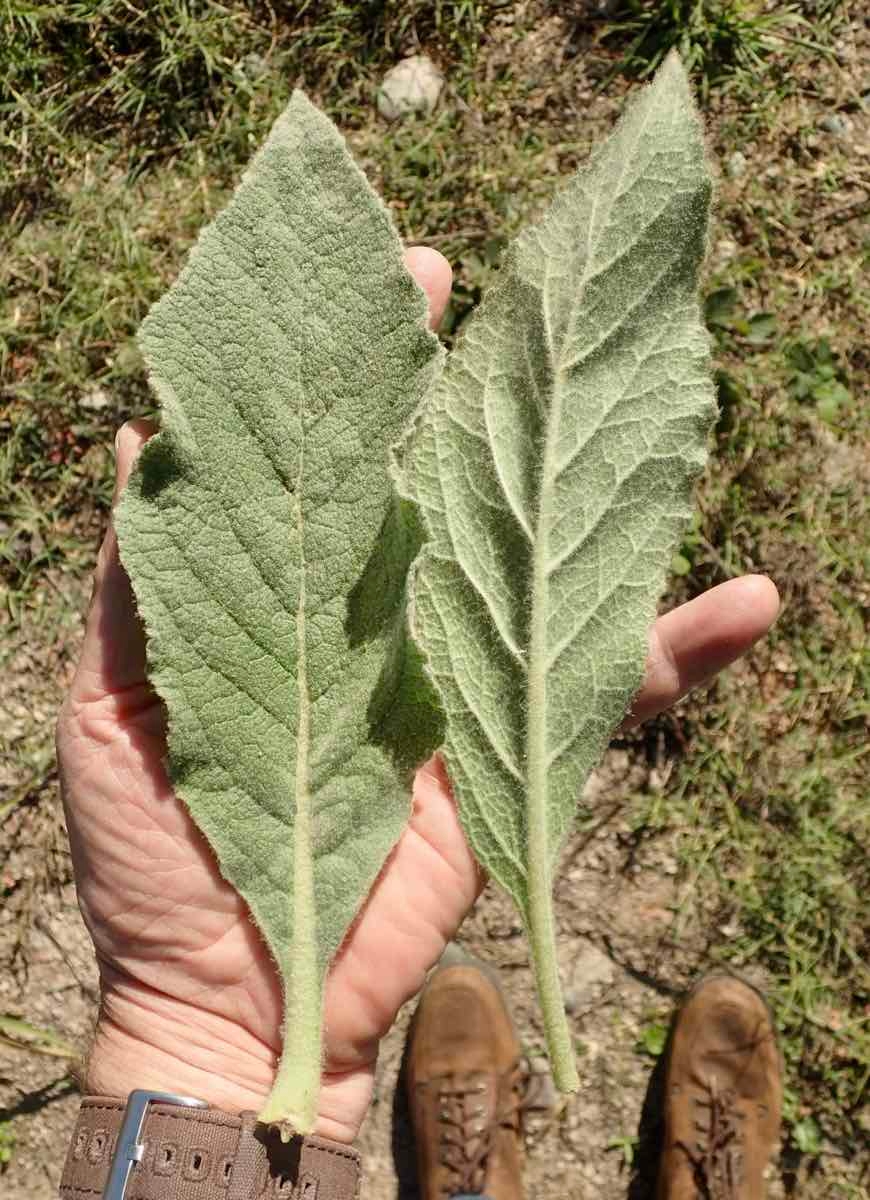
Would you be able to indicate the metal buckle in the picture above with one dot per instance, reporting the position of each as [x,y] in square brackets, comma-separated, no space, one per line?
[129,1150]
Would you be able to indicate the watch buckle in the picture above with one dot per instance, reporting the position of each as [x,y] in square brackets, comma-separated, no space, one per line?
[128,1149]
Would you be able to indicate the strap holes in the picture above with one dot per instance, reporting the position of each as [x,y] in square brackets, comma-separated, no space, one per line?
[97,1145]
[166,1158]
[222,1173]
[198,1164]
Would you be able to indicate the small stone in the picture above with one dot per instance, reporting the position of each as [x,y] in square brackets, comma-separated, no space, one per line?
[253,66]
[590,971]
[541,1094]
[95,399]
[835,123]
[736,165]
[412,86]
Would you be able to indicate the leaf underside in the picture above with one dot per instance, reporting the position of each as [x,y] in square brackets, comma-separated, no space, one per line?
[269,556]
[553,467]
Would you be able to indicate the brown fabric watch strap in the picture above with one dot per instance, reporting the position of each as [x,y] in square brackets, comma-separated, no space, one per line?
[203,1154]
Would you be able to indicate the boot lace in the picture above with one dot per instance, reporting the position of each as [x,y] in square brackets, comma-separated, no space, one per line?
[466,1129]
[717,1160]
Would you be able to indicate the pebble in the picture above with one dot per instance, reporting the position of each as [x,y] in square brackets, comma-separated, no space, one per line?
[411,86]
[590,971]
[253,66]
[835,123]
[95,399]
[736,165]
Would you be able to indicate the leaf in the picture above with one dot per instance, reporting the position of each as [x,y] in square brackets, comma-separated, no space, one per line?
[830,396]
[760,328]
[553,467]
[21,1035]
[719,306]
[627,1144]
[653,1039]
[269,558]
[807,1136]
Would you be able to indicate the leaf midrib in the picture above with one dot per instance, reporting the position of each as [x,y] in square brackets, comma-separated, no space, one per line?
[537,753]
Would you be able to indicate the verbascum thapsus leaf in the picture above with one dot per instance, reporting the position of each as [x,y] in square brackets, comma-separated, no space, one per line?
[269,556]
[553,468]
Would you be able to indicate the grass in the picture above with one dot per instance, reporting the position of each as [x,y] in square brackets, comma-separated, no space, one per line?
[773,798]
[122,125]
[721,41]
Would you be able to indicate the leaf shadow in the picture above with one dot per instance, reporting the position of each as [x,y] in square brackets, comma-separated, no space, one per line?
[650,1130]
[38,1099]
[404,715]
[402,1144]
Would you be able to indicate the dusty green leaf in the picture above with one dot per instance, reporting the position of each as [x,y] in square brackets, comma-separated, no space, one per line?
[269,558]
[553,468]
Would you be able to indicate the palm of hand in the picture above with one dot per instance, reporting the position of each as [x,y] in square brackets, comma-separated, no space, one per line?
[173,937]
[183,969]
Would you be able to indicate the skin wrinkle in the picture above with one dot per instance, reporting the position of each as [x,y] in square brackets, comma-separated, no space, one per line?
[142,996]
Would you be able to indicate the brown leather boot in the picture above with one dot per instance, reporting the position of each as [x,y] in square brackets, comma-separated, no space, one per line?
[723,1095]
[465,1088]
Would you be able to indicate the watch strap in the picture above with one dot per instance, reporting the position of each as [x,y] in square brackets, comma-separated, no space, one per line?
[205,1154]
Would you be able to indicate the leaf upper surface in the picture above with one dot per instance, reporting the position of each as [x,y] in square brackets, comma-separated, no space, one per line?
[268,554]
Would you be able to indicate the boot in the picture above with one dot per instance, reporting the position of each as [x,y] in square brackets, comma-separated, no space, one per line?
[723,1095]
[465,1089]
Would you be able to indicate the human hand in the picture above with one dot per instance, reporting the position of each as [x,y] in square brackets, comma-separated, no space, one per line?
[191,1000]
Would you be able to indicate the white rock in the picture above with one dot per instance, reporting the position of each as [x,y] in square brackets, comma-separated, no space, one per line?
[590,972]
[736,165]
[411,86]
[95,399]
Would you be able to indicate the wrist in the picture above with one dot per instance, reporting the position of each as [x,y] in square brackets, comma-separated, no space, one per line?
[145,1039]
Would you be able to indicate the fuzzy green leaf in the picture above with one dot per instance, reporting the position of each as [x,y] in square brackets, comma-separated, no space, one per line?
[553,468]
[269,557]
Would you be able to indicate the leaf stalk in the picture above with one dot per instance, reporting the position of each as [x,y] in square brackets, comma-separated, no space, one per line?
[540,923]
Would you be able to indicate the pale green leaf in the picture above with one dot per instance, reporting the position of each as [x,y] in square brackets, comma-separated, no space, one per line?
[269,558]
[553,468]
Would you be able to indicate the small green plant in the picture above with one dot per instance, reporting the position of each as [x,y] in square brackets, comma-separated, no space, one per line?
[807,1136]
[817,378]
[7,1144]
[715,38]
[653,1039]
[626,1144]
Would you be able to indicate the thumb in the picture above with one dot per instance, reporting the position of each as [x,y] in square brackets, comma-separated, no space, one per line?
[113,652]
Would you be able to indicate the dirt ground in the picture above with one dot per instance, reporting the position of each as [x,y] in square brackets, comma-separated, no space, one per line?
[622,969]
[631,939]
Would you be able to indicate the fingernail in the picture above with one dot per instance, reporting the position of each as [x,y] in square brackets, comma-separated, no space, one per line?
[117,440]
